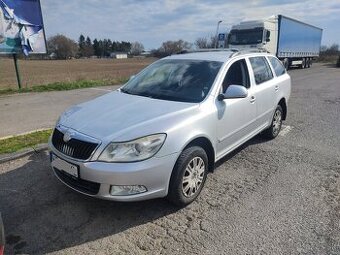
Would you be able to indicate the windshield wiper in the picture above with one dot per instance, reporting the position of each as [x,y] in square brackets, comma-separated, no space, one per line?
[126,92]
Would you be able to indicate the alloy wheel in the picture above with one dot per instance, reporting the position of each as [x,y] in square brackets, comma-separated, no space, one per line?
[193,176]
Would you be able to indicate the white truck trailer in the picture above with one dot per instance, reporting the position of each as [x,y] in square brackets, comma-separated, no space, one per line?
[292,41]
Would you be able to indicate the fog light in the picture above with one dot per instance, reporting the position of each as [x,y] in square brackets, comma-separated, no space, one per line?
[127,190]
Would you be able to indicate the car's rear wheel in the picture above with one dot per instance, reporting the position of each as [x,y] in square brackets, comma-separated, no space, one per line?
[188,176]
[276,124]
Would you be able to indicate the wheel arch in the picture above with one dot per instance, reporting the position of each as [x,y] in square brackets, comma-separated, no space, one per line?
[283,105]
[205,144]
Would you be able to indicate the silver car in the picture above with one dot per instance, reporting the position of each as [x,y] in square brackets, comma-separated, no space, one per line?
[162,132]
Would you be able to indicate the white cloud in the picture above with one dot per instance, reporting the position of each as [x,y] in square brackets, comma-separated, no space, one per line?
[152,21]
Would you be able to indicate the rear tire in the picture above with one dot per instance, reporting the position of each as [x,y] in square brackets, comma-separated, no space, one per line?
[276,124]
[188,176]
[303,64]
[310,62]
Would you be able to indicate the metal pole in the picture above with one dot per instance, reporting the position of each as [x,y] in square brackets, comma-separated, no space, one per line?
[17,69]
[216,36]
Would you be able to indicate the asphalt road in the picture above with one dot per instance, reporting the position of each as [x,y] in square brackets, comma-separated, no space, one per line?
[268,197]
[20,113]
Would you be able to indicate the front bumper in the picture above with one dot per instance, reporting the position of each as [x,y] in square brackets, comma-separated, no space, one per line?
[153,173]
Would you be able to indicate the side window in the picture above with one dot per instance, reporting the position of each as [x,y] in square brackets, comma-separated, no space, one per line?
[261,69]
[279,69]
[237,75]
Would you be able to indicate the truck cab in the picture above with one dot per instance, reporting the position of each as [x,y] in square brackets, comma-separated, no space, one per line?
[260,34]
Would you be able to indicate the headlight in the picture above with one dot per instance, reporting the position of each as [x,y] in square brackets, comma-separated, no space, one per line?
[136,150]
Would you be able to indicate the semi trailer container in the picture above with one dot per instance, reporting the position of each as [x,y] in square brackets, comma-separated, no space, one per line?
[292,41]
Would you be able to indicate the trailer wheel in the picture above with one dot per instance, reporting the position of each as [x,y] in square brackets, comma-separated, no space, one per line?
[309,62]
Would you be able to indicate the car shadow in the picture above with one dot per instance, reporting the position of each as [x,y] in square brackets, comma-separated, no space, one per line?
[258,139]
[41,215]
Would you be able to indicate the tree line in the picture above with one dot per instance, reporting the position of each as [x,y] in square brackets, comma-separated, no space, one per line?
[62,47]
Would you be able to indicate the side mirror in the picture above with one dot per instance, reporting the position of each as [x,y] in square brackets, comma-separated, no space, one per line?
[232,92]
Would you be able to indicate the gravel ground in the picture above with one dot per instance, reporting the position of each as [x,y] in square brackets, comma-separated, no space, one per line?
[268,197]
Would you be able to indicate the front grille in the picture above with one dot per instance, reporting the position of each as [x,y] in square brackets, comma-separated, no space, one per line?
[74,148]
[81,185]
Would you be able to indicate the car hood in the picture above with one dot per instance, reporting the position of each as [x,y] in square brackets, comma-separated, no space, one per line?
[114,114]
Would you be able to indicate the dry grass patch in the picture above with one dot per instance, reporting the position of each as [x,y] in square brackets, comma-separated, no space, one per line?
[42,72]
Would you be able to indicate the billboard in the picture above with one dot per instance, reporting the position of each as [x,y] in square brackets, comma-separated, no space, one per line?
[21,27]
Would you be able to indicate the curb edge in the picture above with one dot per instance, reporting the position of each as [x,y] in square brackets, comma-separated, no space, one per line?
[15,155]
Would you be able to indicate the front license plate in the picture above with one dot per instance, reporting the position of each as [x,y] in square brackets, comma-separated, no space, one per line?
[64,166]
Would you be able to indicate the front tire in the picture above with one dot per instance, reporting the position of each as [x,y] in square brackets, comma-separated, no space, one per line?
[276,124]
[286,63]
[188,176]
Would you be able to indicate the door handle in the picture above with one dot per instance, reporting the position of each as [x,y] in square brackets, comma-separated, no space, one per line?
[252,99]
[276,87]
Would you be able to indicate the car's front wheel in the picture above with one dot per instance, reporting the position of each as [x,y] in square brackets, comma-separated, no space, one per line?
[276,124]
[188,176]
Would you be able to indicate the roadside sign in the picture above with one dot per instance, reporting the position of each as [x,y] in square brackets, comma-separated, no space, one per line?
[221,37]
[21,27]
[221,40]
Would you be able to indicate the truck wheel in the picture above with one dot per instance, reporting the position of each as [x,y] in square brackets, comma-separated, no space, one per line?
[303,64]
[309,62]
[188,176]
[276,124]
[286,63]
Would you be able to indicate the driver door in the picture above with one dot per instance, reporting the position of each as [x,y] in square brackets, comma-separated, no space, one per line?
[236,117]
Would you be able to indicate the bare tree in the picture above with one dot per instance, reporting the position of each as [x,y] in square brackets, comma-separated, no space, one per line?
[172,47]
[205,42]
[62,46]
[136,48]
[202,43]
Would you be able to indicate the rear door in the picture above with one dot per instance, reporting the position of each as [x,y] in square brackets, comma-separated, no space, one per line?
[264,90]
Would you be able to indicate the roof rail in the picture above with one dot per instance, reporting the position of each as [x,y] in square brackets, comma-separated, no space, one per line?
[204,50]
[235,51]
[245,51]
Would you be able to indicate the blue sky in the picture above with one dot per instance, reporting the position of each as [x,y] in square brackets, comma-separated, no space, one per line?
[154,21]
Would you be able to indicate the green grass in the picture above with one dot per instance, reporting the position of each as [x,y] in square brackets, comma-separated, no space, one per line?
[16,143]
[59,86]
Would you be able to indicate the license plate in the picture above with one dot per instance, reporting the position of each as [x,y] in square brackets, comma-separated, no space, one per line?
[64,166]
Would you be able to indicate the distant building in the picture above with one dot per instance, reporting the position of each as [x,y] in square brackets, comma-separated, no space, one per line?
[146,53]
[53,55]
[119,55]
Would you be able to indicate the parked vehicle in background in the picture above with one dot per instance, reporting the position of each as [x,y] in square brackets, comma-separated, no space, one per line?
[292,41]
[160,134]
[2,237]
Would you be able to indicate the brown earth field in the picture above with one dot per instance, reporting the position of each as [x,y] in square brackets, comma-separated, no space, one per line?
[39,72]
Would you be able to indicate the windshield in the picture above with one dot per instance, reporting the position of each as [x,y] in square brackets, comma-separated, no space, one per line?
[175,80]
[246,36]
